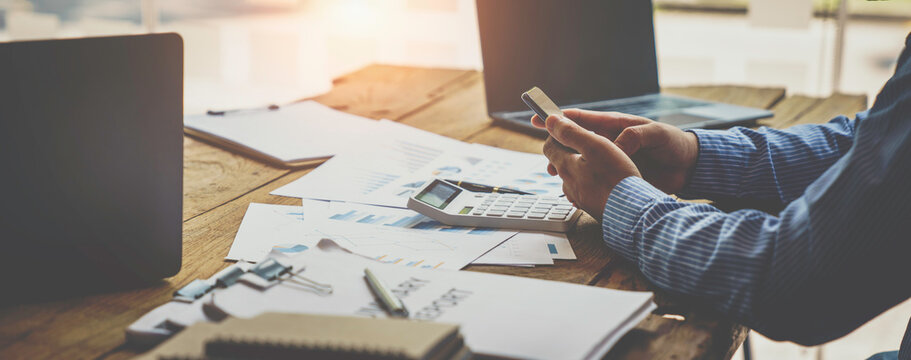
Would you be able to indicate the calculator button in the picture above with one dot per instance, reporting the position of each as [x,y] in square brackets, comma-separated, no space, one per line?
[494,213]
[509,196]
[564,207]
[542,208]
[487,201]
[535,215]
[499,207]
[556,217]
[492,196]
[515,214]
[478,196]
[478,212]
[520,208]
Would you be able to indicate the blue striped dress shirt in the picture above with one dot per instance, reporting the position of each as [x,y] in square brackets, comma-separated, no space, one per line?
[837,255]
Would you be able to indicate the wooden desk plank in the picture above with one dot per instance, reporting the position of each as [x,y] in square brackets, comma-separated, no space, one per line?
[832,106]
[457,115]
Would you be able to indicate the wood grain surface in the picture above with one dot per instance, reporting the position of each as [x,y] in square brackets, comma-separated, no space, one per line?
[219,185]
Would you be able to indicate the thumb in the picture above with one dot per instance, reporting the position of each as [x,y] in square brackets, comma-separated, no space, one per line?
[574,136]
[634,138]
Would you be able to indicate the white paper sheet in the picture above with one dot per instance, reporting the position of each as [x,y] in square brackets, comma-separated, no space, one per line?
[266,226]
[499,315]
[558,245]
[520,249]
[381,170]
[306,130]
[401,159]
[293,229]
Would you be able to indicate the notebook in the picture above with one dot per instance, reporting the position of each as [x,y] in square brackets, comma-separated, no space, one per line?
[295,135]
[293,336]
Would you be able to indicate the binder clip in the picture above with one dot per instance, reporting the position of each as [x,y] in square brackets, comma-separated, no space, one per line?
[198,288]
[194,290]
[270,272]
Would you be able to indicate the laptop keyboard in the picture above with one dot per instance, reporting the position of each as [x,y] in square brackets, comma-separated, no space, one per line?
[647,106]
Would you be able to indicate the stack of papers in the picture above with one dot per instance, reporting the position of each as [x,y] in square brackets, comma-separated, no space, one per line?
[391,235]
[359,199]
[499,315]
[397,160]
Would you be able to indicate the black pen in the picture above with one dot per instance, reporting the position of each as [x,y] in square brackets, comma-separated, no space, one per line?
[470,186]
[271,107]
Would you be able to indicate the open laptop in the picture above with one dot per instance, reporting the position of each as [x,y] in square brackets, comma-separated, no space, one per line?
[596,55]
[91,147]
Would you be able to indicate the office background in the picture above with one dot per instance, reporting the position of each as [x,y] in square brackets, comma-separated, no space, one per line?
[253,52]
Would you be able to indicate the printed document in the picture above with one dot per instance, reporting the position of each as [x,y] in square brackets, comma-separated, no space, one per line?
[499,315]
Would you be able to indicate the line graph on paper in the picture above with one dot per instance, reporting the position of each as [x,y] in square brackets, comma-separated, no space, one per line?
[403,246]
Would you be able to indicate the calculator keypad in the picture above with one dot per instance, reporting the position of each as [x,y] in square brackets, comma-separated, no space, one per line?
[523,206]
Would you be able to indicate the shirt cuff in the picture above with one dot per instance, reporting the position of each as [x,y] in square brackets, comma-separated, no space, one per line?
[720,163]
[625,207]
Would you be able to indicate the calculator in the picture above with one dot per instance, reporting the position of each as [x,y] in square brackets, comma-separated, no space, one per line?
[452,205]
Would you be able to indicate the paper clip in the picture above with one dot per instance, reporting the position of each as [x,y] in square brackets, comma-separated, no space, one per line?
[272,270]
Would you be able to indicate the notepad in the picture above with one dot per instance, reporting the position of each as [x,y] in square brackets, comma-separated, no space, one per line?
[287,336]
[295,135]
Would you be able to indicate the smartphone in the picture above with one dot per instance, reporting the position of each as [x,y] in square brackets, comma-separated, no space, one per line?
[542,105]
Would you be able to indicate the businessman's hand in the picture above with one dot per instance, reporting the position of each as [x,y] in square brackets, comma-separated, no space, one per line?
[591,174]
[663,153]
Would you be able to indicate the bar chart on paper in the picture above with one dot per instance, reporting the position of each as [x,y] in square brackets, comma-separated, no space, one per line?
[394,217]
[525,248]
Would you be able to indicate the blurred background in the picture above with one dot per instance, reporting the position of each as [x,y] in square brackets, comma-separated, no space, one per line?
[253,52]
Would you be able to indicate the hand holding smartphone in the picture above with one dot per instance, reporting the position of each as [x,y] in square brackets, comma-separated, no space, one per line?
[542,105]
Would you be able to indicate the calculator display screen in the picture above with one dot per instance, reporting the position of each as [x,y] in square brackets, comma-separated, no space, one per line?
[438,194]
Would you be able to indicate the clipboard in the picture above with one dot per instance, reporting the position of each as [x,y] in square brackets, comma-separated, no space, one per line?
[297,135]
[249,152]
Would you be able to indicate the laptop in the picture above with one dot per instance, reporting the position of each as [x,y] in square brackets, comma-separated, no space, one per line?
[595,55]
[91,147]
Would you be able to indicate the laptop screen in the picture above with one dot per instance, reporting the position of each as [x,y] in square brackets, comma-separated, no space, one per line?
[575,50]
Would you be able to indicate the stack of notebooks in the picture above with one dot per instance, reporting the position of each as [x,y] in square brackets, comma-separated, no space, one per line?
[297,336]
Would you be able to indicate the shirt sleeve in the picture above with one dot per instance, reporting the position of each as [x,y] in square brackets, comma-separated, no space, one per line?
[821,268]
[767,164]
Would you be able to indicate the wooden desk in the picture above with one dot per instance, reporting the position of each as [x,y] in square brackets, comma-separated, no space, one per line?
[219,185]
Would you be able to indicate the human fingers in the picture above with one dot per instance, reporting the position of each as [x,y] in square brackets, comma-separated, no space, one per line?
[558,154]
[576,137]
[552,170]
[607,124]
[537,121]
[634,138]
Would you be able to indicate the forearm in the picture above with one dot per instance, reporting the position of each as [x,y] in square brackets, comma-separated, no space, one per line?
[776,275]
[766,164]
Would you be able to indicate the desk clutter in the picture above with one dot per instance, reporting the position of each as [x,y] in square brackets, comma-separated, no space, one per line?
[352,249]
[499,315]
